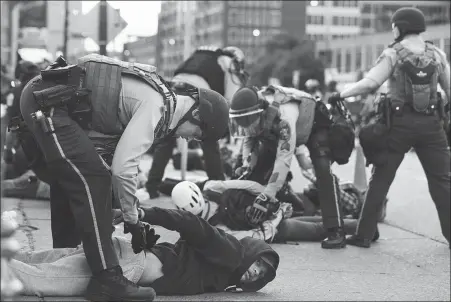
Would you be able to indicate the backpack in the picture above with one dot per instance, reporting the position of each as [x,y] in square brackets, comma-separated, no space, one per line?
[232,209]
[419,73]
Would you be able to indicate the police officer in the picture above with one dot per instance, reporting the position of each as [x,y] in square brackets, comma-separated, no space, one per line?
[131,108]
[413,68]
[202,69]
[282,119]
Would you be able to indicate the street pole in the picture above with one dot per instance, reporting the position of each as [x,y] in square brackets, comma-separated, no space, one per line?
[66,27]
[188,27]
[15,16]
[103,29]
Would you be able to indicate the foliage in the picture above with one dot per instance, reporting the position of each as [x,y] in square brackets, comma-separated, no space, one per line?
[281,56]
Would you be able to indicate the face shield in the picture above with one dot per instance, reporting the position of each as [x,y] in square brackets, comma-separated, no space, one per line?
[246,125]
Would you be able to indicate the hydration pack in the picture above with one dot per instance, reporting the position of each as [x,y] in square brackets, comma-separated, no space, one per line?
[419,76]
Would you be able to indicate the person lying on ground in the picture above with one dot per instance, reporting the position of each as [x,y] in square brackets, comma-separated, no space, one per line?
[226,205]
[204,259]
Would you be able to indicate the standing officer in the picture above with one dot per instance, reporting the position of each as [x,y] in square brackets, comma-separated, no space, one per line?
[273,122]
[99,117]
[412,67]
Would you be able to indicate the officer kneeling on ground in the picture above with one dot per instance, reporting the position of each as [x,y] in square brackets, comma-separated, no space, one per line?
[282,119]
[117,110]
[410,117]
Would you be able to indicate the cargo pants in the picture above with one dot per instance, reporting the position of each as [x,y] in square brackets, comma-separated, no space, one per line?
[81,185]
[426,135]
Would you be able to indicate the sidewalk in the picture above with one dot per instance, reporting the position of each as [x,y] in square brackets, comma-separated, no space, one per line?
[401,266]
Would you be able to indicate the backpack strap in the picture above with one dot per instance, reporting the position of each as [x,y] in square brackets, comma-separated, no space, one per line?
[401,51]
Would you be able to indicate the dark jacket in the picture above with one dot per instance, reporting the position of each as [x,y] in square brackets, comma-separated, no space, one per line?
[205,258]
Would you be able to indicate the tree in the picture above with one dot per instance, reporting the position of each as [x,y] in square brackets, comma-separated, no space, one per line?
[282,55]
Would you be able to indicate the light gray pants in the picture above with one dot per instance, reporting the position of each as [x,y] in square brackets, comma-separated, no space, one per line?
[65,271]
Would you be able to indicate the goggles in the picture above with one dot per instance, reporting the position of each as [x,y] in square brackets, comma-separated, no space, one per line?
[246,125]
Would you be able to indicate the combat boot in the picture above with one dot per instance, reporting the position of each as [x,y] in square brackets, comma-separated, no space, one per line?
[152,190]
[356,240]
[111,285]
[336,239]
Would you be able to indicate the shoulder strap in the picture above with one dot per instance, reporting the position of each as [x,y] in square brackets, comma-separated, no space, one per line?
[401,51]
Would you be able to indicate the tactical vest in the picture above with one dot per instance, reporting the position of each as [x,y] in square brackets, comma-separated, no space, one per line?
[277,95]
[103,79]
[414,80]
[204,63]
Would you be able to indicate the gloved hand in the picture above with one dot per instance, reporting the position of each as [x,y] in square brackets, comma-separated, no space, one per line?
[151,237]
[334,98]
[262,209]
[240,172]
[139,238]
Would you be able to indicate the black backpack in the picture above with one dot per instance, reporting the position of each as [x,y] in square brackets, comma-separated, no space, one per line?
[232,209]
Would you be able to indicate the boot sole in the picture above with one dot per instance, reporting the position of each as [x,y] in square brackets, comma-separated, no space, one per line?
[333,247]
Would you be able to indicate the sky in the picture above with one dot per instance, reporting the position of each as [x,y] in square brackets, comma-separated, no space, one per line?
[141,16]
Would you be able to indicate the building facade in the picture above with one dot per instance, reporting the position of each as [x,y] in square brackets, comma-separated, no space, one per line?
[245,24]
[142,51]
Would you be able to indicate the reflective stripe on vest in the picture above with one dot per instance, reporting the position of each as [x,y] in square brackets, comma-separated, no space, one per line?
[414,80]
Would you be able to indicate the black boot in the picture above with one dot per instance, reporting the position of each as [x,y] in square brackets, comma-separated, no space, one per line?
[335,239]
[152,190]
[376,235]
[111,285]
[356,240]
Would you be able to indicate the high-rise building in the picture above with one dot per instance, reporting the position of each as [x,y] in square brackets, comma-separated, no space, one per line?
[142,51]
[245,24]
[376,15]
[332,19]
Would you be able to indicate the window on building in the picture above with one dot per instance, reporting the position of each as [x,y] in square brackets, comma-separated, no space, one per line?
[338,62]
[358,58]
[348,61]
[276,18]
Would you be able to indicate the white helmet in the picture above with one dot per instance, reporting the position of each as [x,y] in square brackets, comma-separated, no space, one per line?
[187,196]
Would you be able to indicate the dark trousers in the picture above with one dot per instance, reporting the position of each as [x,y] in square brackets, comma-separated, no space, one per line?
[308,229]
[163,153]
[82,182]
[426,135]
[328,191]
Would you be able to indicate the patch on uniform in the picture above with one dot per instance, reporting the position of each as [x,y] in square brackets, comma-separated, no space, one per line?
[274,177]
[284,135]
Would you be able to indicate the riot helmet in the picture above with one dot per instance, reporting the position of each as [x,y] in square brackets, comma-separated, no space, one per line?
[212,109]
[246,113]
[409,20]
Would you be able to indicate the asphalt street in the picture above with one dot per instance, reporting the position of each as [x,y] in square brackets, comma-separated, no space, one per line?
[410,262]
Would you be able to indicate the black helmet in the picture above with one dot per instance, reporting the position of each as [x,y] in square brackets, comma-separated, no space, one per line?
[213,112]
[245,112]
[409,19]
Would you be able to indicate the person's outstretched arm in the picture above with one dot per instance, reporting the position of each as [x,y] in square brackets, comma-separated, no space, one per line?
[216,246]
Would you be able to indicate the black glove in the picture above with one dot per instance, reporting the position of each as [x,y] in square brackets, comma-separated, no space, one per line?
[262,209]
[151,237]
[139,236]
[334,98]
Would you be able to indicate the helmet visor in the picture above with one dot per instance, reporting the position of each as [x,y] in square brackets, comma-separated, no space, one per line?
[245,126]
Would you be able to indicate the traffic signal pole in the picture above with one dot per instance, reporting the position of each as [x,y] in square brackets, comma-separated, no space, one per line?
[103,29]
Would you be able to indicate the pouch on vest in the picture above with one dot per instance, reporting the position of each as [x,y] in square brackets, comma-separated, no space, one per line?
[420,76]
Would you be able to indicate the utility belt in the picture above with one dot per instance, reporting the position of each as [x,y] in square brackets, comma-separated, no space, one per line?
[66,93]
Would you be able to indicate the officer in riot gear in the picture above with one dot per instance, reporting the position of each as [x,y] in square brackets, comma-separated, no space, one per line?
[93,121]
[202,68]
[413,68]
[274,121]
